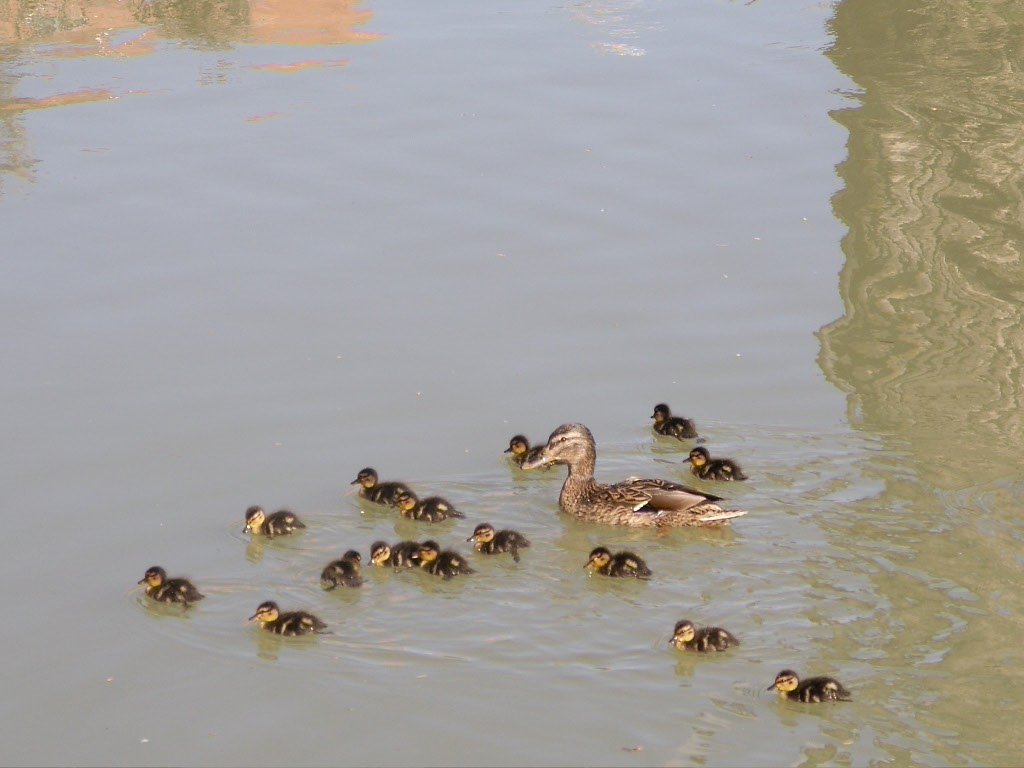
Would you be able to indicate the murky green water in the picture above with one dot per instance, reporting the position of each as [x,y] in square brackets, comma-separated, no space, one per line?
[250,247]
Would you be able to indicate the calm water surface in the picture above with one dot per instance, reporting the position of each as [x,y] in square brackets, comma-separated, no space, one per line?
[251,246]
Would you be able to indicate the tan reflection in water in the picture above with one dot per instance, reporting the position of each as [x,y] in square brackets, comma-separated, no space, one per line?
[931,344]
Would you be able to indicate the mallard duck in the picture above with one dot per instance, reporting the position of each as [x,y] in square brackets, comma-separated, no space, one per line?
[292,623]
[811,690]
[619,564]
[634,501]
[491,542]
[371,489]
[402,554]
[521,451]
[165,590]
[687,637]
[432,510]
[706,468]
[259,522]
[343,572]
[672,426]
[442,563]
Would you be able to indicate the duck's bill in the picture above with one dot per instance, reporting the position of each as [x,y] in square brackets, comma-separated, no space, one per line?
[507,450]
[536,462]
[142,580]
[253,617]
[771,687]
[355,482]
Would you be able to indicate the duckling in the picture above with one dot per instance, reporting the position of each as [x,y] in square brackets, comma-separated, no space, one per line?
[811,690]
[257,521]
[619,564]
[371,489]
[403,554]
[492,542]
[687,637]
[703,466]
[344,572]
[672,426]
[165,590]
[292,623]
[642,502]
[432,510]
[521,451]
[446,563]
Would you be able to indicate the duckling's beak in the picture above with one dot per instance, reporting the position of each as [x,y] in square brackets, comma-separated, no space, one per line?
[253,617]
[471,538]
[508,450]
[771,687]
[142,580]
[355,482]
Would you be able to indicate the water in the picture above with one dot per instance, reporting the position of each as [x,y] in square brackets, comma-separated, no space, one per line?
[250,248]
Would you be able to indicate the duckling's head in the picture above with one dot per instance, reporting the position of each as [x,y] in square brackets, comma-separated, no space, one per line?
[699,456]
[482,534]
[352,556]
[569,444]
[154,577]
[254,517]
[518,445]
[380,552]
[599,558]
[683,633]
[367,477]
[429,552]
[785,682]
[661,412]
[267,611]
[406,501]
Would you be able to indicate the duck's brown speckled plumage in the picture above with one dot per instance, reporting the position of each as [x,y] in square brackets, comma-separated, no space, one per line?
[488,541]
[446,563]
[687,637]
[372,489]
[279,523]
[813,690]
[621,564]
[404,554]
[431,510]
[635,501]
[344,572]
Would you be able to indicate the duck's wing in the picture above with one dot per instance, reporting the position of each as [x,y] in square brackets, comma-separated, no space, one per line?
[664,495]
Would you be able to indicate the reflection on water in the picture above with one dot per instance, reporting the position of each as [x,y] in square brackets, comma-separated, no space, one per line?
[930,351]
[34,33]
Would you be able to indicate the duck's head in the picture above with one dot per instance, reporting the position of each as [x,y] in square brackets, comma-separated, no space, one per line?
[661,412]
[569,444]
[352,556]
[254,518]
[482,534]
[599,558]
[518,445]
[154,577]
[683,633]
[367,477]
[267,611]
[429,552]
[785,682]
[380,552]
[698,456]
[406,501]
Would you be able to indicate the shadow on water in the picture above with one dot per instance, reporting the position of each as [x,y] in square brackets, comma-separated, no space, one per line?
[930,350]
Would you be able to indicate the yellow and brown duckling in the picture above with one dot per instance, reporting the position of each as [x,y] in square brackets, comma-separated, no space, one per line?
[372,489]
[491,542]
[278,524]
[672,426]
[687,637]
[404,554]
[446,563]
[291,623]
[165,590]
[343,572]
[811,690]
[707,468]
[620,564]
[431,510]
[635,501]
[520,450]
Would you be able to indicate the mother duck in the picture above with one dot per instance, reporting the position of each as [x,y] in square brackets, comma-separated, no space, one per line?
[638,502]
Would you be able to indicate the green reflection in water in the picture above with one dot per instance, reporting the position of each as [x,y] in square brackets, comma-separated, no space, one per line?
[212,23]
[930,351]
